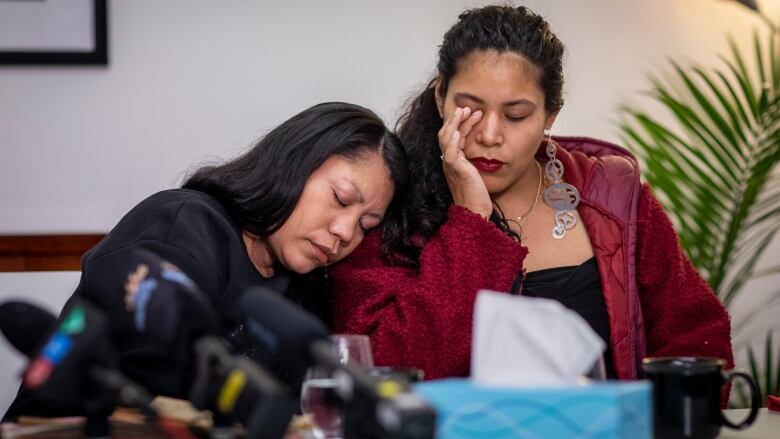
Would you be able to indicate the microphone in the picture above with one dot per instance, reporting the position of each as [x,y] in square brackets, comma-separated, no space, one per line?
[167,306]
[71,360]
[373,408]
[27,324]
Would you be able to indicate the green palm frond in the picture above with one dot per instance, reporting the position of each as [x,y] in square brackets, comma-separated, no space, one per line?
[768,378]
[715,170]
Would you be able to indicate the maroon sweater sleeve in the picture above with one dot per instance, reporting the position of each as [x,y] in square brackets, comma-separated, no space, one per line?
[424,319]
[682,314]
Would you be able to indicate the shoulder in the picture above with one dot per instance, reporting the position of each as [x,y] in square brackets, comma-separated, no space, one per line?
[177,206]
[606,175]
[588,158]
[175,216]
[175,199]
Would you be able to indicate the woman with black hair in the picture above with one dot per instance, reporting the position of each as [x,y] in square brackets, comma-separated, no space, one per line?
[299,200]
[495,202]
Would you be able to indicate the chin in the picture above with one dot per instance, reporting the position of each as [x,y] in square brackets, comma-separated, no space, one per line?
[300,266]
[495,189]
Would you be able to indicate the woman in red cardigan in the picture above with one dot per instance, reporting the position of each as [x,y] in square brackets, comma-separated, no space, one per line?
[497,203]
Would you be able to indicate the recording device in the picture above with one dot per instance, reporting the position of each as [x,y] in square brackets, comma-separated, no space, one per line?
[373,408]
[168,307]
[71,360]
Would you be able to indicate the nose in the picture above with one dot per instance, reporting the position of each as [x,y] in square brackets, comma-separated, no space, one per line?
[488,131]
[343,227]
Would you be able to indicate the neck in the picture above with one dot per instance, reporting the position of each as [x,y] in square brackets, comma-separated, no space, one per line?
[519,197]
[259,254]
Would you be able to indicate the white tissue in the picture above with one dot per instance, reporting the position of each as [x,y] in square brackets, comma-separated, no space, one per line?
[530,342]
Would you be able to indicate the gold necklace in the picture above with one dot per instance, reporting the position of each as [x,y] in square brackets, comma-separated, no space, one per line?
[523,219]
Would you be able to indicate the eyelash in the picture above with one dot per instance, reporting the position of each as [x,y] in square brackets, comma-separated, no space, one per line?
[338,200]
[515,118]
[342,204]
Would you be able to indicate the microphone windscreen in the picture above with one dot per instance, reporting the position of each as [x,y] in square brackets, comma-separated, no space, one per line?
[166,304]
[25,325]
[279,326]
[80,338]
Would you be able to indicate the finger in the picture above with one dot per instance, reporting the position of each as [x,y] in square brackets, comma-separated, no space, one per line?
[451,149]
[450,124]
[467,125]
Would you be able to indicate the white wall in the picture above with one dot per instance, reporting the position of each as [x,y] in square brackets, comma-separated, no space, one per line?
[195,79]
[199,78]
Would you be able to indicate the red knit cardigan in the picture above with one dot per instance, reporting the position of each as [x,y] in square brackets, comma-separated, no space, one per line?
[424,319]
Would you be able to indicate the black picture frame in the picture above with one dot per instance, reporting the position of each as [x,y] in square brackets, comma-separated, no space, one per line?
[98,55]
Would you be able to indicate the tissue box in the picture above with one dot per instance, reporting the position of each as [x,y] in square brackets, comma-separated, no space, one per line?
[603,410]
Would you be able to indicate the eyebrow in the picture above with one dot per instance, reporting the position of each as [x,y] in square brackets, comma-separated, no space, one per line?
[521,101]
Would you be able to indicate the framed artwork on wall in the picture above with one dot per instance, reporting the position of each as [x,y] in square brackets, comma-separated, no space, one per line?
[53,32]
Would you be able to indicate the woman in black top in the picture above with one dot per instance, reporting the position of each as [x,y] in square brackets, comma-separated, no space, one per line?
[300,199]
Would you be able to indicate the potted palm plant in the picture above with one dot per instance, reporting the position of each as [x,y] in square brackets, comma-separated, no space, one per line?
[715,170]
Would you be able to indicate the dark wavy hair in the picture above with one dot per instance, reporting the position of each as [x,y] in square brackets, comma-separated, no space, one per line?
[499,28]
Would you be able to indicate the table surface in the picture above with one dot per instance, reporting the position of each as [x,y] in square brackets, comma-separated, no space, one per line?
[766,426]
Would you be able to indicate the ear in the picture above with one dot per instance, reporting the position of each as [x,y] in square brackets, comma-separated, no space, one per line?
[548,123]
[437,96]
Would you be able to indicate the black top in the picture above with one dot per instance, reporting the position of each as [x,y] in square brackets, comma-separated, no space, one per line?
[579,289]
[193,231]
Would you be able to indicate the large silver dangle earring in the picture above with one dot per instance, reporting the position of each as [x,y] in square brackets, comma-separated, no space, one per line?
[562,197]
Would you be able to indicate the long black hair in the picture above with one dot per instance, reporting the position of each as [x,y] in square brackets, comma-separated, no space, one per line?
[499,28]
[261,188]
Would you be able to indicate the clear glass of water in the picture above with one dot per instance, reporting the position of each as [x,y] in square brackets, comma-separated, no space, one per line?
[320,401]
[319,395]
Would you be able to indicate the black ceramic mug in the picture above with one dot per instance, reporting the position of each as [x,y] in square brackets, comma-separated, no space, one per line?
[687,396]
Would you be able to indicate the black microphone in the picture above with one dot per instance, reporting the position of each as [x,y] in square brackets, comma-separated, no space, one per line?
[27,325]
[71,360]
[374,408]
[167,306]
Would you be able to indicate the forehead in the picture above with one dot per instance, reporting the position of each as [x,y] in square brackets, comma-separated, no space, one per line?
[367,172]
[508,75]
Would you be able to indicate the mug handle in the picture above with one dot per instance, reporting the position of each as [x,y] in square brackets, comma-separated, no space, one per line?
[755,400]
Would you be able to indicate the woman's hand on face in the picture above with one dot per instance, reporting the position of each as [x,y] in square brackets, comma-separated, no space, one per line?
[466,185]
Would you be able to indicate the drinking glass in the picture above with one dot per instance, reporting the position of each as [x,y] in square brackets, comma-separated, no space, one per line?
[354,349]
[319,394]
[320,400]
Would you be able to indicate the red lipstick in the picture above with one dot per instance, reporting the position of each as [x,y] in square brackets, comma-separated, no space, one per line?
[486,165]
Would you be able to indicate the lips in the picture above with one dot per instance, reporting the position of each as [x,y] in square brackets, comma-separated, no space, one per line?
[324,254]
[486,165]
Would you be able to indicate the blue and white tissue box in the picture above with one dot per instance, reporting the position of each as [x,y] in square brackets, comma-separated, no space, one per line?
[611,409]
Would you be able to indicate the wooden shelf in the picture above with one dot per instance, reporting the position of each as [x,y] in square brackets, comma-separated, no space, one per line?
[44,252]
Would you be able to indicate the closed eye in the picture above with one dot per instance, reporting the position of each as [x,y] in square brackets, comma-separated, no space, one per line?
[338,200]
[515,118]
